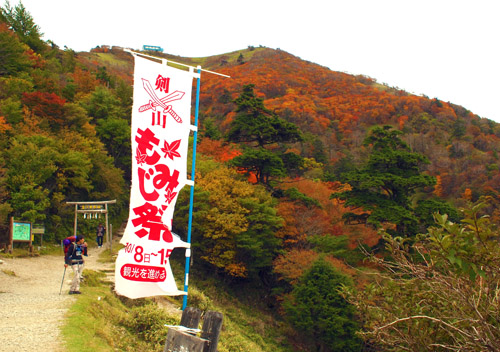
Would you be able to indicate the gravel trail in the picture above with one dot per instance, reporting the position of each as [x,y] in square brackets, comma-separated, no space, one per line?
[31,309]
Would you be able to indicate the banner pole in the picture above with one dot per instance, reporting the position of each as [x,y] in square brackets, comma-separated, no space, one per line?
[191,196]
[177,63]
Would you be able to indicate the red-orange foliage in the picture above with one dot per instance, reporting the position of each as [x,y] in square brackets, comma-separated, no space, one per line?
[339,108]
[330,214]
[402,120]
[316,98]
[45,105]
[31,123]
[37,59]
[86,82]
[467,195]
[310,95]
[327,220]
[219,150]
[292,233]
[362,234]
[291,266]
[4,126]
[438,188]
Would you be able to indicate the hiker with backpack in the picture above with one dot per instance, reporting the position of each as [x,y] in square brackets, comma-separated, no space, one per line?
[70,239]
[74,257]
[100,234]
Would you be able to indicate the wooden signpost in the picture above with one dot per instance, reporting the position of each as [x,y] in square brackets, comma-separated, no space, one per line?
[38,229]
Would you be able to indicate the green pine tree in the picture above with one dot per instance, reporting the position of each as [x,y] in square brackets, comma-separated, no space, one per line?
[22,23]
[384,186]
[317,309]
[257,128]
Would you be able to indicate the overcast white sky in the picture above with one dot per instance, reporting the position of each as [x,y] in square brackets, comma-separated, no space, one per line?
[445,49]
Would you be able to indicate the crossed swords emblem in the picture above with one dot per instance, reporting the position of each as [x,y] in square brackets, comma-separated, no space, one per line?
[157,102]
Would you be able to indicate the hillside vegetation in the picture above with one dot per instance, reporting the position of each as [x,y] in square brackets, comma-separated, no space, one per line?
[302,172]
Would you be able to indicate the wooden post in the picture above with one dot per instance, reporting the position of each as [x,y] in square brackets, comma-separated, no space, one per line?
[178,341]
[191,317]
[212,324]
[75,225]
[30,245]
[76,220]
[108,235]
[10,246]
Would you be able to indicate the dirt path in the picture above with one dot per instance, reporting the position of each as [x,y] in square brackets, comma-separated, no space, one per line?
[31,309]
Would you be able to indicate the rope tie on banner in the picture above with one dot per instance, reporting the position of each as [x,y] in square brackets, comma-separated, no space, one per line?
[165,61]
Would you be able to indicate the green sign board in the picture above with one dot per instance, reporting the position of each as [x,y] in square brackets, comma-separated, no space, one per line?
[21,231]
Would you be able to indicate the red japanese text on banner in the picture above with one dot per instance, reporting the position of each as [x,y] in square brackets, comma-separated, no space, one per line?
[160,133]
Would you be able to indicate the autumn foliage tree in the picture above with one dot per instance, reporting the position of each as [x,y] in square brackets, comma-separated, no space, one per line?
[48,106]
[236,223]
[49,152]
[337,109]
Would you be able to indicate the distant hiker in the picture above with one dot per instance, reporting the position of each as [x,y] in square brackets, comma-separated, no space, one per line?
[74,257]
[100,234]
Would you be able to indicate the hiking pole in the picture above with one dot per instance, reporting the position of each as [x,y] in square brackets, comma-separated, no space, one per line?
[62,281]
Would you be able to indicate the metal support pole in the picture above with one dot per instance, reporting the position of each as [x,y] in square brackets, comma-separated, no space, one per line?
[193,167]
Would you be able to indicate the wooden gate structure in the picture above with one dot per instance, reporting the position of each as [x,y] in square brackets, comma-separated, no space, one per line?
[93,207]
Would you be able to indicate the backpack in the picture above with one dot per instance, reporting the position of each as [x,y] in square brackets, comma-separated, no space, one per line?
[67,241]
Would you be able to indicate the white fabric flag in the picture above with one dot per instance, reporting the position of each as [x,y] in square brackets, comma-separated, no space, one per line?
[160,134]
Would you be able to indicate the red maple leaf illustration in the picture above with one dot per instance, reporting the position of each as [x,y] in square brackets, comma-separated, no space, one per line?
[141,158]
[170,150]
[170,195]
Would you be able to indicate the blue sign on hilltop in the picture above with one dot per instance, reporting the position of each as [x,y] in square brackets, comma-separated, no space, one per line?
[152,48]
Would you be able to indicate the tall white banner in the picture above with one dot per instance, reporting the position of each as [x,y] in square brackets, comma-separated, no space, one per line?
[160,133]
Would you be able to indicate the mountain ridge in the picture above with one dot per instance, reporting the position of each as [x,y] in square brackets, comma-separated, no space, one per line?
[336,109]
